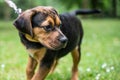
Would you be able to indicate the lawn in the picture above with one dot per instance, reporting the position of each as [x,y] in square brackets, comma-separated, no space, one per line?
[100,53]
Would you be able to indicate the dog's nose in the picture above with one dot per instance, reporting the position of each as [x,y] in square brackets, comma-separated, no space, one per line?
[63,39]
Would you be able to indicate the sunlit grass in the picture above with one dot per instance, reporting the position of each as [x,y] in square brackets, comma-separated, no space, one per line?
[100,53]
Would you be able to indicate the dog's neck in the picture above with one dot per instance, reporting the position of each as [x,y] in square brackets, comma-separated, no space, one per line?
[30,38]
[34,44]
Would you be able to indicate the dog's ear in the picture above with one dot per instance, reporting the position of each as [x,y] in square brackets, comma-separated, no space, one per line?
[23,22]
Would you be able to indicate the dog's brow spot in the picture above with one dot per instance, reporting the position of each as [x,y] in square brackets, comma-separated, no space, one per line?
[48,21]
[44,23]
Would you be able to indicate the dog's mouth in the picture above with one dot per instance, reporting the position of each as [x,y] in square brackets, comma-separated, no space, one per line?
[57,46]
[54,45]
[59,43]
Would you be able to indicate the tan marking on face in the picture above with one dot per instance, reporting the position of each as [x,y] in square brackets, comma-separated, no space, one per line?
[39,33]
[48,39]
[58,22]
[53,22]
[37,54]
[48,21]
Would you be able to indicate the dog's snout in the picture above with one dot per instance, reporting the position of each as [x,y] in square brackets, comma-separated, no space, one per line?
[63,39]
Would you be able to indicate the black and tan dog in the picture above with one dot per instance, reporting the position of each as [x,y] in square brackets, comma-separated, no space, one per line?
[49,36]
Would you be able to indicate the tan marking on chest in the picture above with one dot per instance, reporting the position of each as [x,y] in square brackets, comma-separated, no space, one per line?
[37,54]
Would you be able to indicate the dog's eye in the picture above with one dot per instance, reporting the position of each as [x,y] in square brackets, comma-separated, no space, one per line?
[48,28]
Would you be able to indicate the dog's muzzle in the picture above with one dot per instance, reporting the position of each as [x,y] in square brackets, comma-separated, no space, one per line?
[63,40]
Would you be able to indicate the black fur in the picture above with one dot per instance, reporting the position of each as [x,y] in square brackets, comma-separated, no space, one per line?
[71,28]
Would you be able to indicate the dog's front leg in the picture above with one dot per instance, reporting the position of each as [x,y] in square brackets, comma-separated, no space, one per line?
[32,63]
[43,71]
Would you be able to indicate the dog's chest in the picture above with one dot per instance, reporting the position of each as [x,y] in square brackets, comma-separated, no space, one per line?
[37,54]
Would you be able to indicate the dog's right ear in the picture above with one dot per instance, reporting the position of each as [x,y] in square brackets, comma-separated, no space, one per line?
[23,22]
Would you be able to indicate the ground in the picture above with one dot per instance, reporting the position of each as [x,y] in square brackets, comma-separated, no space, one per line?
[100,53]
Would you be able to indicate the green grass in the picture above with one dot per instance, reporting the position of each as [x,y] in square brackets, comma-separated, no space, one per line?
[101,46]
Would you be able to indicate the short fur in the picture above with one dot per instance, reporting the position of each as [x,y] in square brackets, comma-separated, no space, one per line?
[48,36]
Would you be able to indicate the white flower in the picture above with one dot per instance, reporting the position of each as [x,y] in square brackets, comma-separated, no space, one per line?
[88,69]
[2,66]
[104,65]
[112,67]
[97,76]
[108,70]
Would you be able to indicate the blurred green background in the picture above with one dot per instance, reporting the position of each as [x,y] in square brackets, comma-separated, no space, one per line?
[100,48]
[109,8]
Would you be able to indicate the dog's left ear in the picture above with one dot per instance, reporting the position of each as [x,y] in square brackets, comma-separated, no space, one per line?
[23,22]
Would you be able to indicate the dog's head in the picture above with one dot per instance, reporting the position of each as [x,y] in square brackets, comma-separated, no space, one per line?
[42,24]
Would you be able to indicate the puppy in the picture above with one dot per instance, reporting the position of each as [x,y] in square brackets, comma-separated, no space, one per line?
[48,36]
